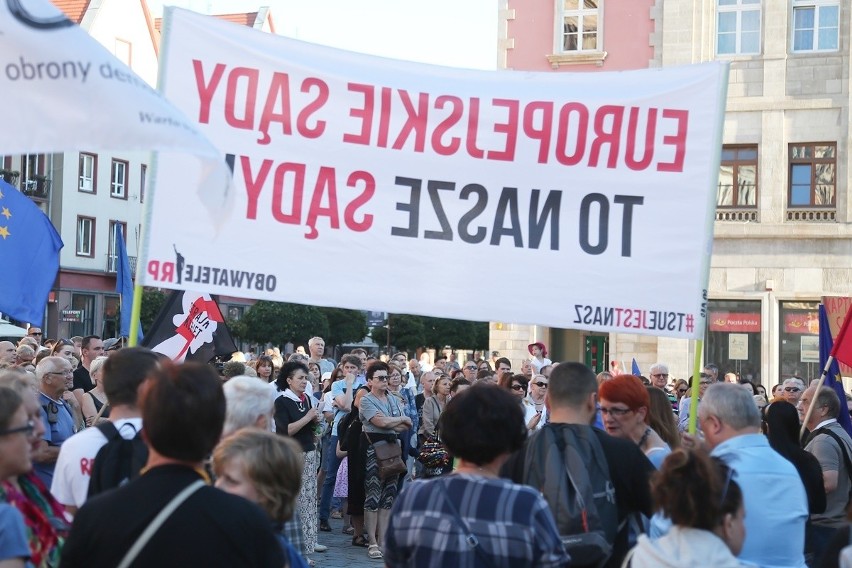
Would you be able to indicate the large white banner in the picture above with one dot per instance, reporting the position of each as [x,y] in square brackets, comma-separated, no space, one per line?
[61,90]
[576,200]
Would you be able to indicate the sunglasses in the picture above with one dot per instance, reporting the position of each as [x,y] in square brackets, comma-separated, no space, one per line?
[27,429]
[518,387]
[664,375]
[35,333]
[541,385]
[470,368]
[792,389]
[682,390]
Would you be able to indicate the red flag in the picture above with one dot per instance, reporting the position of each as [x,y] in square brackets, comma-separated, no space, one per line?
[842,350]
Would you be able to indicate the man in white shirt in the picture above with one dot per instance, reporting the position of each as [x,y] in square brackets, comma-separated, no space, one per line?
[123,373]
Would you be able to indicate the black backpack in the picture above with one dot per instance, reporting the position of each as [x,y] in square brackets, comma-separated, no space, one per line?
[118,461]
[567,464]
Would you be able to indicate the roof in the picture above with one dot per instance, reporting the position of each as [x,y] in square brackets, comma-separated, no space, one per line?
[74,9]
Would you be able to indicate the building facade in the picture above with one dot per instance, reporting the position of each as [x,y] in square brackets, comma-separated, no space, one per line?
[782,235]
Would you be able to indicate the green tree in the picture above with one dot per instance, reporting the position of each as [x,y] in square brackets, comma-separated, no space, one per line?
[407,332]
[442,332]
[279,322]
[153,301]
[344,326]
[481,336]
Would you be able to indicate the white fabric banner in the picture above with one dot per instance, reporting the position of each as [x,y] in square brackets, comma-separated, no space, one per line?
[61,90]
[575,200]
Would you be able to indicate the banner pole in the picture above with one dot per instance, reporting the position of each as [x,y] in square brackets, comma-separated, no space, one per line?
[822,377]
[696,385]
[135,314]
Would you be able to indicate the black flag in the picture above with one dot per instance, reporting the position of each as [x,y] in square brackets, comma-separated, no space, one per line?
[190,327]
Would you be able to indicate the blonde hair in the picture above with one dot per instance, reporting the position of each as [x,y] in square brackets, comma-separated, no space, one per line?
[272,462]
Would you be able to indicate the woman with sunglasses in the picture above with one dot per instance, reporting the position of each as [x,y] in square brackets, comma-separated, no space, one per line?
[537,394]
[681,388]
[15,459]
[518,386]
[625,407]
[706,508]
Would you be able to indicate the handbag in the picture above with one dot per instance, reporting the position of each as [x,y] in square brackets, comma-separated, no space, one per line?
[388,458]
[433,454]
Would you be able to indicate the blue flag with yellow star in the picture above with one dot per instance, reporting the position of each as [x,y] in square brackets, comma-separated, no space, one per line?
[29,256]
[832,379]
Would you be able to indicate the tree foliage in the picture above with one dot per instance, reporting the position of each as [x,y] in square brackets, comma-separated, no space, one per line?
[153,301]
[279,322]
[407,332]
[344,326]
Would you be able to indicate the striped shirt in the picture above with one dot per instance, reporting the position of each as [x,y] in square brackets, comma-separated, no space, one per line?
[512,523]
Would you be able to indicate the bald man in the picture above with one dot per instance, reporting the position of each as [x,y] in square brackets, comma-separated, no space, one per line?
[7,353]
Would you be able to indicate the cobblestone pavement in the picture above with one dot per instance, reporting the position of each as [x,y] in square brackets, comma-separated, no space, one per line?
[341,553]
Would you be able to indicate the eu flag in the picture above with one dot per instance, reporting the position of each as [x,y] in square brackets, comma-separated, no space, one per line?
[124,284]
[635,368]
[29,255]
[832,379]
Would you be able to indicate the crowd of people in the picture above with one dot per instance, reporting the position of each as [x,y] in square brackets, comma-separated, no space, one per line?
[428,463]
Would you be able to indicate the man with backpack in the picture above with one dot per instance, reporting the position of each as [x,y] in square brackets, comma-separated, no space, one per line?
[117,445]
[593,482]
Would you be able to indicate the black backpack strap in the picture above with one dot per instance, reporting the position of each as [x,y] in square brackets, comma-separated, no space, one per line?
[836,438]
[108,429]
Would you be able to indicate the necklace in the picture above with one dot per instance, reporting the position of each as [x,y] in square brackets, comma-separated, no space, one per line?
[644,437]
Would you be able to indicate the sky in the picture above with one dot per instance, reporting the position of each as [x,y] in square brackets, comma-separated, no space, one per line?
[455,33]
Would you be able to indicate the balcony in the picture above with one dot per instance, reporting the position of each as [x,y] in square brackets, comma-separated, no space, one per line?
[112,264]
[37,188]
[819,215]
[737,215]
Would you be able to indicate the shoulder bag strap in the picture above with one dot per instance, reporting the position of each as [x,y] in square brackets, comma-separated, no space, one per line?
[158,521]
[469,537]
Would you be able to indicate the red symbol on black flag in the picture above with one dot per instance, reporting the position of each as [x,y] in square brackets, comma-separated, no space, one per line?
[190,327]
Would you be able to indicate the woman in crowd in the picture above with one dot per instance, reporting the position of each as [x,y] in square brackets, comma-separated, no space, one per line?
[625,408]
[680,389]
[434,406]
[782,429]
[538,392]
[527,369]
[482,427]
[458,385]
[16,431]
[761,390]
[483,365]
[517,385]
[383,418]
[705,506]
[409,407]
[265,368]
[314,375]
[265,469]
[777,392]
[44,517]
[349,440]
[296,416]
[539,356]
[661,417]
[96,398]
[65,349]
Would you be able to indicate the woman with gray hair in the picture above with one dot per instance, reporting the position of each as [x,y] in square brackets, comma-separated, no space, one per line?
[93,401]
[249,403]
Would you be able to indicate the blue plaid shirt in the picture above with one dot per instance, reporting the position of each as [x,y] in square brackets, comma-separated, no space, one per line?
[512,523]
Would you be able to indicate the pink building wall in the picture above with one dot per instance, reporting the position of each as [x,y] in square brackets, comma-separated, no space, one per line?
[627,30]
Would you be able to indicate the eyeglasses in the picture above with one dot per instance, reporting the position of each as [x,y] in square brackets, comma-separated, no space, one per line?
[615,411]
[517,387]
[382,378]
[27,429]
[792,389]
[541,385]
[469,368]
[704,383]
[664,375]
[64,373]
[682,390]
[35,333]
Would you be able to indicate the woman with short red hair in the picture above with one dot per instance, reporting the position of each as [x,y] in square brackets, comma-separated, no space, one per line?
[625,408]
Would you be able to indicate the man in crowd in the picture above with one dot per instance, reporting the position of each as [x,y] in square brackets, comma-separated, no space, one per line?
[7,354]
[659,375]
[92,348]
[832,446]
[773,493]
[415,374]
[341,393]
[60,413]
[469,369]
[122,375]
[316,345]
[712,371]
[572,401]
[36,334]
[24,355]
[501,367]
[183,409]
[793,389]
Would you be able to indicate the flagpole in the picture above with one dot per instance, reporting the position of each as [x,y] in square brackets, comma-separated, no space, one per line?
[811,406]
[135,316]
[696,384]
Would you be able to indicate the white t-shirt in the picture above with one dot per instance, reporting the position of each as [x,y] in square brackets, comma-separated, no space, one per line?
[537,365]
[77,456]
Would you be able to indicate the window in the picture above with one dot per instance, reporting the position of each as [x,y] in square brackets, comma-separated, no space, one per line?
[812,175]
[118,182]
[738,27]
[85,236]
[738,177]
[733,338]
[111,326]
[580,22]
[88,173]
[815,25]
[32,168]
[143,176]
[799,338]
[112,248]
[85,304]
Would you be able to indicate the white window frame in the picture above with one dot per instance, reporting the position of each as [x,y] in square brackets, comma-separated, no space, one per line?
[118,183]
[86,183]
[85,246]
[112,249]
[816,5]
[562,13]
[740,8]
